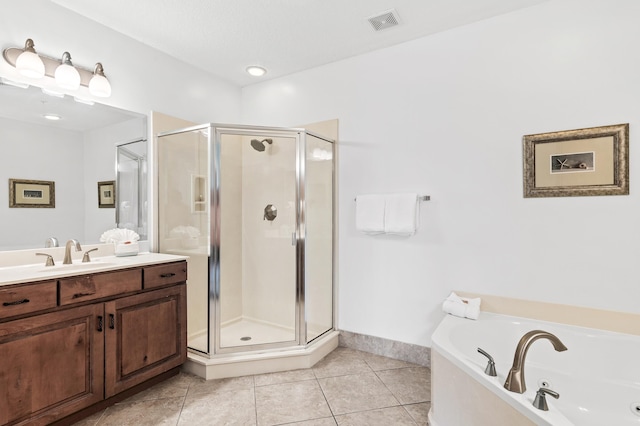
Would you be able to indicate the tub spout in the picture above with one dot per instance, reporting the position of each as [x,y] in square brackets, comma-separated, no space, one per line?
[515,378]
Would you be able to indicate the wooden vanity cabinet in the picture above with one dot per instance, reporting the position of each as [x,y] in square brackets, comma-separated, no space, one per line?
[52,365]
[145,336]
[57,362]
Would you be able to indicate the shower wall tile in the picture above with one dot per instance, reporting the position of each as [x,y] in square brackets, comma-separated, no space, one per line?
[388,348]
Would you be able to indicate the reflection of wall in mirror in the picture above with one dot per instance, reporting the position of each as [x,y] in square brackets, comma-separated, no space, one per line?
[75,162]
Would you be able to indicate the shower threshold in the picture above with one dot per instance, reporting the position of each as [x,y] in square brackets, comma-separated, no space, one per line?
[247,363]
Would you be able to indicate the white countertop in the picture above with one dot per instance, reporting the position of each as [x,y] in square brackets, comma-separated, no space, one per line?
[39,272]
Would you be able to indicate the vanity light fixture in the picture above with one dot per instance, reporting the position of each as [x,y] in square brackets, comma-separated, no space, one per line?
[256,71]
[67,75]
[28,63]
[99,85]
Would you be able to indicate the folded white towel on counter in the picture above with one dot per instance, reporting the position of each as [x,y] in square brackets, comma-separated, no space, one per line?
[125,241]
[461,306]
[370,213]
[119,235]
[401,214]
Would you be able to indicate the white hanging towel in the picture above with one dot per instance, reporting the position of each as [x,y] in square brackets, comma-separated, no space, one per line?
[370,213]
[401,214]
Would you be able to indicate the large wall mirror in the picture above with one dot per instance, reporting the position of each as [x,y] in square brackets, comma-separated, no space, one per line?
[76,150]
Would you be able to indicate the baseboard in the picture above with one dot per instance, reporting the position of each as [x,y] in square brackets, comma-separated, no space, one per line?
[416,354]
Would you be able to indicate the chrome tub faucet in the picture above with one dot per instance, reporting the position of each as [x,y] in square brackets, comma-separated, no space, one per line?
[515,379]
[67,250]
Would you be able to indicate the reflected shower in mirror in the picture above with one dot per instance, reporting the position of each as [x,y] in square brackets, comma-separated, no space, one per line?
[75,151]
[131,187]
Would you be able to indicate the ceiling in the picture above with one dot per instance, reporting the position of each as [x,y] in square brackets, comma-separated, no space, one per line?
[223,37]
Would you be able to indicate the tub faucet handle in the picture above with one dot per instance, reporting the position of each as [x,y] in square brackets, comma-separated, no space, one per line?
[491,365]
[540,402]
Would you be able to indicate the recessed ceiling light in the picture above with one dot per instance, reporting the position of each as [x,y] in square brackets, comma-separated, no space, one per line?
[52,117]
[256,71]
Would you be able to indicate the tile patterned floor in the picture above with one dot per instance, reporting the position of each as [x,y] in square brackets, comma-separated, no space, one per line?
[347,387]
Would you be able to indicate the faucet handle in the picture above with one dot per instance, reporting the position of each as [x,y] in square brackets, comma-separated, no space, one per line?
[540,402]
[50,261]
[85,257]
[490,370]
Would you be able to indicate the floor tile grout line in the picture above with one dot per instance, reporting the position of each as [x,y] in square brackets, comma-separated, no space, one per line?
[184,401]
[255,398]
[327,401]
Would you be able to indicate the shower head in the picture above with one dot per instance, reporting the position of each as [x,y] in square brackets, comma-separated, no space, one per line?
[259,145]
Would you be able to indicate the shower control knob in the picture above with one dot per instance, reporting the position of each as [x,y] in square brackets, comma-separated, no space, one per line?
[270,212]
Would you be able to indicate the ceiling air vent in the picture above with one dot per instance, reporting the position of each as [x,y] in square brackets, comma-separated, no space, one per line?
[384,20]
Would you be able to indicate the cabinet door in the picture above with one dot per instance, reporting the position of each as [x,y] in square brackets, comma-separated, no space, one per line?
[51,365]
[145,336]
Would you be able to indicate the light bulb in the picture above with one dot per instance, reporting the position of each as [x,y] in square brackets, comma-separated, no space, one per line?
[29,63]
[99,85]
[66,75]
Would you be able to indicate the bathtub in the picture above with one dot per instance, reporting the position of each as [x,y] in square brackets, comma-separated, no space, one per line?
[598,377]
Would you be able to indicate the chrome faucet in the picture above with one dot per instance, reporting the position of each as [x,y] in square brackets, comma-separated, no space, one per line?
[515,378]
[67,250]
[51,242]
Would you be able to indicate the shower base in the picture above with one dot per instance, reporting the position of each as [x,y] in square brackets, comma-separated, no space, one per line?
[261,362]
[236,333]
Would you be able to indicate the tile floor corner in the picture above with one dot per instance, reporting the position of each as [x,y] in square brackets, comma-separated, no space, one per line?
[347,387]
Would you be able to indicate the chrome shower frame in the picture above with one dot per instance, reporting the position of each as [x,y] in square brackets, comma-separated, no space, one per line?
[214,134]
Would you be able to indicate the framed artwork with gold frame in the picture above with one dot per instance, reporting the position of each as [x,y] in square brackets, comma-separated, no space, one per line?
[582,162]
[107,194]
[25,193]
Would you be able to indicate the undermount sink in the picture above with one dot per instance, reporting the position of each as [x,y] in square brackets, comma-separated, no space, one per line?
[76,266]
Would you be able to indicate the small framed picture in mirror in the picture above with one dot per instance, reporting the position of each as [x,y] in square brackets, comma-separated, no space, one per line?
[31,193]
[107,194]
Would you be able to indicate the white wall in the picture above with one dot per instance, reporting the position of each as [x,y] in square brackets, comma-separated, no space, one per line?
[36,154]
[444,115]
[75,162]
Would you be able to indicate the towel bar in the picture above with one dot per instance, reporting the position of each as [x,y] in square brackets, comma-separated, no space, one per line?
[420,198]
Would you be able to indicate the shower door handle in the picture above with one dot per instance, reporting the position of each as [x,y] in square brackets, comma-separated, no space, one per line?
[293,238]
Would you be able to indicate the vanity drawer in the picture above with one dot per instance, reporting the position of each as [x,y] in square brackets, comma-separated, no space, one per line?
[96,286]
[23,299]
[161,275]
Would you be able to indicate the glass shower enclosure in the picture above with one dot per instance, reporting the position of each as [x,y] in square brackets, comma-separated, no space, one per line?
[253,208]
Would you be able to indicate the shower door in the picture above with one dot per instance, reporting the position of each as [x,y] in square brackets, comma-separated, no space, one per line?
[183,219]
[255,238]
